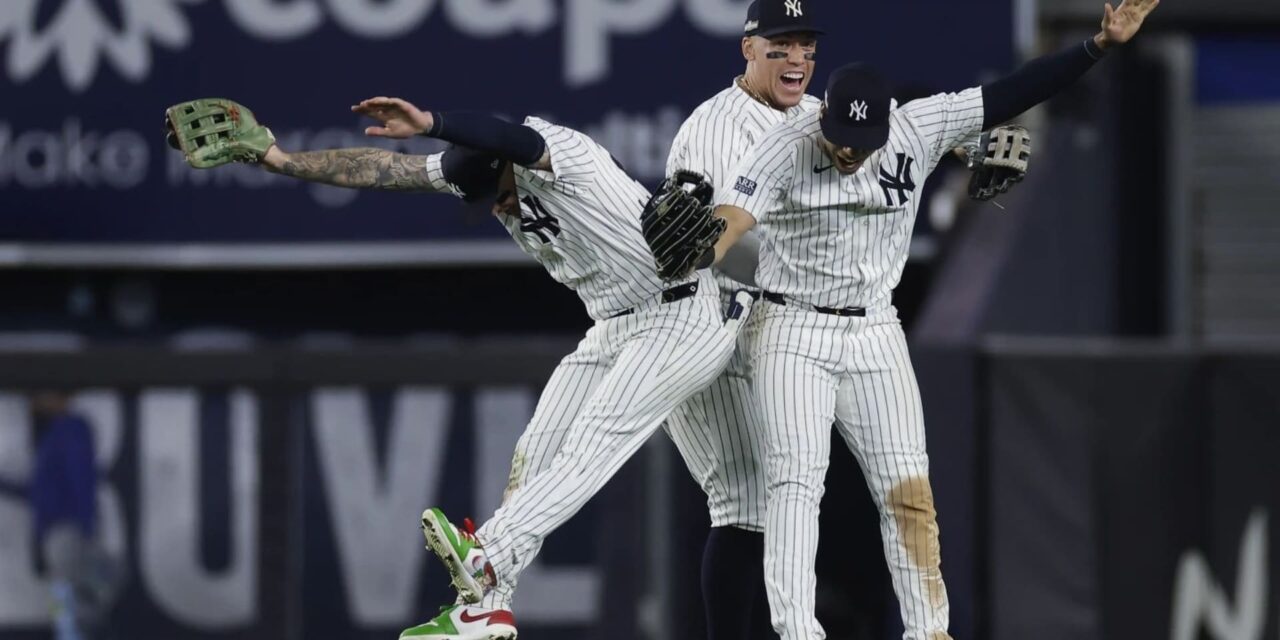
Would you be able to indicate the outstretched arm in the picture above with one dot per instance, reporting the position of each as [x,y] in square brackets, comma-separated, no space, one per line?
[211,132]
[513,142]
[399,119]
[362,168]
[1045,76]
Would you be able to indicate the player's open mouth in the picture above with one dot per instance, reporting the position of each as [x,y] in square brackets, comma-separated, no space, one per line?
[793,80]
[846,167]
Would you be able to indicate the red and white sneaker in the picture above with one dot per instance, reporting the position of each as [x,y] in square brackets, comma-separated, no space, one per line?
[465,622]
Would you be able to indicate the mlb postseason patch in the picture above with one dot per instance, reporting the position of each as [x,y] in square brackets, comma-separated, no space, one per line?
[746,185]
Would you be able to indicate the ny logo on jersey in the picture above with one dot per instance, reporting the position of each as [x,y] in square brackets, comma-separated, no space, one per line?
[538,221]
[858,110]
[793,9]
[899,181]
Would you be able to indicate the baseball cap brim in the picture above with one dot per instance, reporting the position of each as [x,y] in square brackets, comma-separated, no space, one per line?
[781,29]
[843,135]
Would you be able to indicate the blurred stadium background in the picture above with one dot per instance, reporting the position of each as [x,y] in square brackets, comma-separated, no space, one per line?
[279,376]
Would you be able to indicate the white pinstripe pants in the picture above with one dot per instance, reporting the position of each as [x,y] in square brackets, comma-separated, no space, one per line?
[810,370]
[602,403]
[718,435]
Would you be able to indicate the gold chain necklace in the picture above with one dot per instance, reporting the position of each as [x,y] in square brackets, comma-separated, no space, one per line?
[742,84]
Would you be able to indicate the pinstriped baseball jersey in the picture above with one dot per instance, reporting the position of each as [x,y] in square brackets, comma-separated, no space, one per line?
[719,132]
[837,240]
[581,221]
[716,431]
[722,129]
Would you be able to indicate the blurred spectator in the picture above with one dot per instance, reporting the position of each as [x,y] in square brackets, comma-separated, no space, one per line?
[63,494]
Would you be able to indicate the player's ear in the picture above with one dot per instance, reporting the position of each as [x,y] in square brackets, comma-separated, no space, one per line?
[748,49]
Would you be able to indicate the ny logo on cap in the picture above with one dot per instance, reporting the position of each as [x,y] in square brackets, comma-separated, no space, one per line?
[793,9]
[858,110]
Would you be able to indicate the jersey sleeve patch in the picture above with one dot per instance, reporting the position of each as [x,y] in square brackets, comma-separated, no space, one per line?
[745,185]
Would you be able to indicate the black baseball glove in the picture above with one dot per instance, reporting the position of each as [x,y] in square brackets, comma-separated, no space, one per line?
[678,225]
[999,161]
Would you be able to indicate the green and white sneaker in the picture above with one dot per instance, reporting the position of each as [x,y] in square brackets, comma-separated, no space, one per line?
[461,553]
[464,622]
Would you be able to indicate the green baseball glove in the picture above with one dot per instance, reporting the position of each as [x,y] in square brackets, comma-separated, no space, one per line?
[214,131]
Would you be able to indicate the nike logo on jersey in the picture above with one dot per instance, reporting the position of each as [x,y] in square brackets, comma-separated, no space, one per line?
[817,169]
[468,618]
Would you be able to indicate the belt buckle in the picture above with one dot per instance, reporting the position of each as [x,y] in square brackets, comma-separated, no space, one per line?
[844,312]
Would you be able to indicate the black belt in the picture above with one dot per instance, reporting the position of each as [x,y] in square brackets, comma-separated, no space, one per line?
[668,295]
[859,312]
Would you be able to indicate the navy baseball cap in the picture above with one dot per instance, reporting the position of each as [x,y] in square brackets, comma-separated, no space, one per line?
[775,17]
[857,107]
[474,173]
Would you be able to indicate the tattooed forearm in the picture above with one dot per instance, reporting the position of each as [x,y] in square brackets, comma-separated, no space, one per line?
[365,168]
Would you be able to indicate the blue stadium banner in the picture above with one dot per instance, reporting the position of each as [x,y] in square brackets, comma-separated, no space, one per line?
[85,177]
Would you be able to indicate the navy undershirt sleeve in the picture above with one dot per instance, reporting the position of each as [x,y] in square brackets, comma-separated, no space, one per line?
[1035,82]
[483,132]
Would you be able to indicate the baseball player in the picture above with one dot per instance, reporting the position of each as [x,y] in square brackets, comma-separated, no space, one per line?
[717,430]
[568,204]
[835,194]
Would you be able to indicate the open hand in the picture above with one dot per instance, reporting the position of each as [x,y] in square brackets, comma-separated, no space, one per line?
[399,118]
[1121,23]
